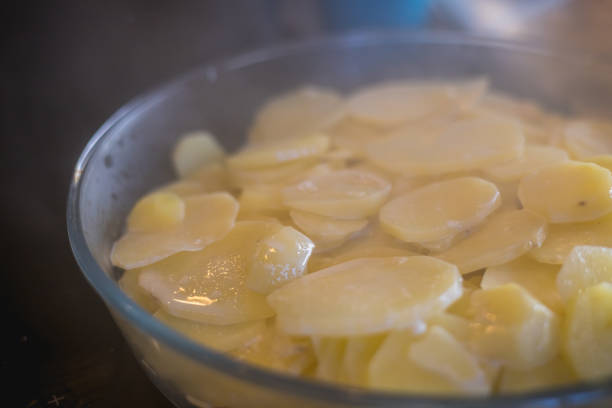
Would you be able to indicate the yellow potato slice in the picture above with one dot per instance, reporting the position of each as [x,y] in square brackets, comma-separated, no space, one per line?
[537,278]
[182,188]
[296,114]
[568,192]
[212,177]
[195,232]
[261,198]
[554,374]
[527,111]
[330,356]
[604,160]
[439,211]
[157,211]
[219,337]
[588,332]
[366,296]
[129,284]
[194,150]
[534,158]
[278,259]
[457,326]
[463,145]
[208,286]
[501,239]
[585,139]
[358,354]
[513,328]
[344,194]
[354,136]
[279,174]
[562,238]
[326,232]
[584,267]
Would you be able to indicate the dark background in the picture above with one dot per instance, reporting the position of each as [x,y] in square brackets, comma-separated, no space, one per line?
[65,67]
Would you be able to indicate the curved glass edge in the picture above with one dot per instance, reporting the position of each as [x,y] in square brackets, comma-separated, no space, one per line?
[307,388]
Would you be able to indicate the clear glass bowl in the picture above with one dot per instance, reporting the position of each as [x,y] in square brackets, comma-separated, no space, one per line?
[129,155]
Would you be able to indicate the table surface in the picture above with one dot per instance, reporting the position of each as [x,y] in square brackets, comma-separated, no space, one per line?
[67,66]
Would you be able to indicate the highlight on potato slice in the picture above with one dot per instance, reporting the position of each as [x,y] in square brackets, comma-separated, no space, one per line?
[344,194]
[584,267]
[296,114]
[554,374]
[208,286]
[439,211]
[366,296]
[326,231]
[278,259]
[562,238]
[462,145]
[585,139]
[196,231]
[539,279]
[534,158]
[194,150]
[156,212]
[504,237]
[513,327]
[588,334]
[568,192]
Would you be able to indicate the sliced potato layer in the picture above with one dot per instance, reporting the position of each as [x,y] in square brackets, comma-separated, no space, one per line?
[534,158]
[195,150]
[587,139]
[156,212]
[584,267]
[326,231]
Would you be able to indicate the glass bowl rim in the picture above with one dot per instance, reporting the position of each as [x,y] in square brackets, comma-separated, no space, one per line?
[311,389]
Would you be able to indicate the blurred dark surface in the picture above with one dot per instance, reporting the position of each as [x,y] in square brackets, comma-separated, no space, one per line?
[66,66]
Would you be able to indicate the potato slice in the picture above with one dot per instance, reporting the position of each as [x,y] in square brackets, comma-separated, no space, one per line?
[261,198]
[219,337]
[463,145]
[441,210]
[194,150]
[534,158]
[554,374]
[182,188]
[212,177]
[326,232]
[330,356]
[208,286]
[585,139]
[296,114]
[537,278]
[354,136]
[278,259]
[129,284]
[344,194]
[584,267]
[457,326]
[155,212]
[562,238]
[568,192]
[604,160]
[279,152]
[513,327]
[501,239]
[358,354]
[588,333]
[195,232]
[245,178]
[367,295]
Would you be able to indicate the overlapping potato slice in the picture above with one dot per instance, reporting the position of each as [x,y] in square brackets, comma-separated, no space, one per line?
[330,356]
[155,212]
[537,278]
[220,337]
[296,114]
[439,211]
[212,177]
[279,174]
[129,284]
[554,374]
[588,332]
[358,354]
[194,150]
[513,328]
[462,145]
[562,238]
[367,295]
[604,160]
[354,136]
[261,198]
[393,103]
[584,267]
[208,286]
[568,192]
[585,139]
[534,158]
[343,194]
[196,231]
[183,188]
[278,259]
[326,232]
[501,239]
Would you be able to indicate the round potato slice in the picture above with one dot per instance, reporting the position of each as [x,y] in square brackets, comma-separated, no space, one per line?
[194,150]
[354,136]
[585,139]
[344,194]
[588,334]
[501,239]
[463,145]
[367,295]
[156,212]
[584,267]
[568,192]
[441,210]
[562,238]
[534,158]
[326,231]
[196,231]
